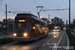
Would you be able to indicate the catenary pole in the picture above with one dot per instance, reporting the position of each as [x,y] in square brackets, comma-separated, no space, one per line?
[6,17]
[69,12]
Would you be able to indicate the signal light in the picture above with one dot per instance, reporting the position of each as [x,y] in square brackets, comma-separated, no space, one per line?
[44,28]
[28,11]
[33,27]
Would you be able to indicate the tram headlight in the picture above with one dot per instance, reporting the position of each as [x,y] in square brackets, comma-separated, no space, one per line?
[55,36]
[25,34]
[15,34]
[53,30]
[57,30]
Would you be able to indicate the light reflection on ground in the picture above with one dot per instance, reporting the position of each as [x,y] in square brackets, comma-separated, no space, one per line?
[30,45]
[55,34]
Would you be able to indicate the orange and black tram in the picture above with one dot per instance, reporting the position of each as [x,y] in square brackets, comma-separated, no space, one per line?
[28,27]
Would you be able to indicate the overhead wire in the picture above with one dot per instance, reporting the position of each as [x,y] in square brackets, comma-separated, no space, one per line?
[13,8]
[4,5]
[64,3]
[44,12]
[1,4]
[56,4]
[2,10]
[48,6]
[53,5]
[50,3]
[57,8]
[60,4]
[35,2]
[9,7]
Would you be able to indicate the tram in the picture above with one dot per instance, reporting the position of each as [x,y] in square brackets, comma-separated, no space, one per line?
[28,27]
[56,28]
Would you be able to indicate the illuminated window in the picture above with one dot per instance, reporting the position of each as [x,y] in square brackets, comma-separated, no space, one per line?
[21,20]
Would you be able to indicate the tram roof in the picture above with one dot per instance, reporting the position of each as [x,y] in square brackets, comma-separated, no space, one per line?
[28,16]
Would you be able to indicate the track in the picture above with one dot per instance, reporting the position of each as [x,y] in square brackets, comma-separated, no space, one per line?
[53,39]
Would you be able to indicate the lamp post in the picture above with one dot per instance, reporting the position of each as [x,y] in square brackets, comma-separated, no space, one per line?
[38,12]
[69,12]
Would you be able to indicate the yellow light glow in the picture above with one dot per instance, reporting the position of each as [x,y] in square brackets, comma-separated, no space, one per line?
[54,33]
[47,28]
[25,34]
[54,30]
[33,28]
[21,20]
[54,36]
[43,28]
[57,30]
[14,34]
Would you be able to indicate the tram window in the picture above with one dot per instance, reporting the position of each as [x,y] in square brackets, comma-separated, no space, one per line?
[22,26]
[38,27]
[19,25]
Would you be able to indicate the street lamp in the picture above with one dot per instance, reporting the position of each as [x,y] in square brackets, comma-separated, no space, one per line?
[38,12]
